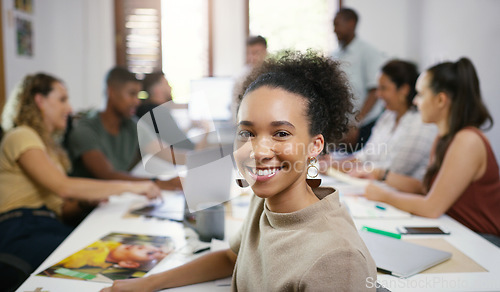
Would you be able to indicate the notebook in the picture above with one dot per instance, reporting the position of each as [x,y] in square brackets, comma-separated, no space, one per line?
[399,258]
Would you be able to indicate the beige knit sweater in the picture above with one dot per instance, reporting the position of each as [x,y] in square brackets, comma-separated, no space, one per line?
[314,249]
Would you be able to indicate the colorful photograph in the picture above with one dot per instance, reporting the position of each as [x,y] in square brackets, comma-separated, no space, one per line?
[24,34]
[24,5]
[114,257]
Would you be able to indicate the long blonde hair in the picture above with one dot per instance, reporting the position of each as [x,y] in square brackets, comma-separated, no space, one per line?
[29,114]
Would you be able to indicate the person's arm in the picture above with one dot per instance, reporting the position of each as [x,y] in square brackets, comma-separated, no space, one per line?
[464,162]
[209,267]
[41,169]
[398,181]
[99,166]
[404,183]
[368,173]
[371,99]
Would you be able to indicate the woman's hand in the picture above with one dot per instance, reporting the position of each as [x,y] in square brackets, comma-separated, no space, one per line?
[361,173]
[376,192]
[130,285]
[146,188]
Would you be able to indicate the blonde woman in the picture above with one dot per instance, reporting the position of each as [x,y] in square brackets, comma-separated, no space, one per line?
[35,193]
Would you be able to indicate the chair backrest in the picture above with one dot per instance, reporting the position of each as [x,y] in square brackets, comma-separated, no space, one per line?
[13,271]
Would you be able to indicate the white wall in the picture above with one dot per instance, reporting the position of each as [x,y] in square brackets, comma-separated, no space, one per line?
[229,37]
[430,31]
[73,40]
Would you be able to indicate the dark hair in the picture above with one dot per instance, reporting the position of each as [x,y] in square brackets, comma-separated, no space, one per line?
[460,82]
[120,75]
[150,80]
[315,77]
[348,14]
[255,40]
[401,73]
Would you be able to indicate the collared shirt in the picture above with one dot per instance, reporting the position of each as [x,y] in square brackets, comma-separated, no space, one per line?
[403,148]
[362,63]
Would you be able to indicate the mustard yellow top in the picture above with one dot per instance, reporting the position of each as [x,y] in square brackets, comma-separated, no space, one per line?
[17,190]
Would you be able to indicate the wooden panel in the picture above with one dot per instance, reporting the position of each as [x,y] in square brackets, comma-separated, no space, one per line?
[2,69]
[210,38]
[138,35]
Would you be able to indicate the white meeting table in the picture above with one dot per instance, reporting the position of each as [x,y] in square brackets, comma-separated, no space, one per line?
[109,217]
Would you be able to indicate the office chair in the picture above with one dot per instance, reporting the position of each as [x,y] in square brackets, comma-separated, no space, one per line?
[13,272]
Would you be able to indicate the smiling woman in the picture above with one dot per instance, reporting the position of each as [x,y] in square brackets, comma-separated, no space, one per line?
[291,107]
[294,238]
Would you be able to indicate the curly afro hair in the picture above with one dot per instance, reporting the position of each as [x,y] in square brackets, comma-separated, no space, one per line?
[315,77]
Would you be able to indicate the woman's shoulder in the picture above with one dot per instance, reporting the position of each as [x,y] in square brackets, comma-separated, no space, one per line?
[470,136]
[387,115]
[21,133]
[20,139]
[471,141]
[412,116]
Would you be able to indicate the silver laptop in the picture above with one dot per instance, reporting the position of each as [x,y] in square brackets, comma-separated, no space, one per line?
[400,258]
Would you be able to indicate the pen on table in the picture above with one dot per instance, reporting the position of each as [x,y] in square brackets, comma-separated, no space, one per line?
[201,250]
[380,207]
[382,232]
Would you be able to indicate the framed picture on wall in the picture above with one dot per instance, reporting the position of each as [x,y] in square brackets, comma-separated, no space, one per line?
[24,37]
[24,5]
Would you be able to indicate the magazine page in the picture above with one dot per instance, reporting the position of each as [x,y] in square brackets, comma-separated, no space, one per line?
[116,256]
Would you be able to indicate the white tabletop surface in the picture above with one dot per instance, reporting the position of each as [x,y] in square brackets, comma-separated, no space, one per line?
[109,218]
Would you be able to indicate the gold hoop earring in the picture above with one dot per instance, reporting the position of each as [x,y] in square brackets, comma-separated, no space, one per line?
[312,169]
[312,173]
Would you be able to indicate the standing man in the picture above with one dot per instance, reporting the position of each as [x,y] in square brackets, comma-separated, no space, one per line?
[105,145]
[361,62]
[256,53]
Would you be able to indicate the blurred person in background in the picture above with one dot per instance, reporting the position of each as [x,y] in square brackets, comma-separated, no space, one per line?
[400,142]
[361,62]
[36,195]
[462,179]
[105,145]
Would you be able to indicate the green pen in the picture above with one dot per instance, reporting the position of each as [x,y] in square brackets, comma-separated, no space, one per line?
[382,232]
